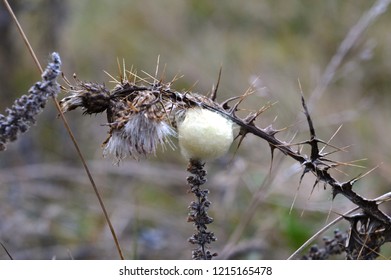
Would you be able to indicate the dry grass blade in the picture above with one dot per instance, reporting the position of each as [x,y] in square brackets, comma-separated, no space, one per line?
[67,127]
[355,33]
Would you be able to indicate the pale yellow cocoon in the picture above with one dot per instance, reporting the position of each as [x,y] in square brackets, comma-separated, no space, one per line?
[204,134]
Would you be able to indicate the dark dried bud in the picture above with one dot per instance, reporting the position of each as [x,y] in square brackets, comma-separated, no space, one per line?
[93,98]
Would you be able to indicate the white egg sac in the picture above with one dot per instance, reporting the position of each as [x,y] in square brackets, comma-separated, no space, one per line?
[204,134]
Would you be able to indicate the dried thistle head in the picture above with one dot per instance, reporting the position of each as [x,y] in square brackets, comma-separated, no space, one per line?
[138,119]
[137,126]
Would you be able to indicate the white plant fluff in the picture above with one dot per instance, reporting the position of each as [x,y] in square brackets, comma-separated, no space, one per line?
[204,134]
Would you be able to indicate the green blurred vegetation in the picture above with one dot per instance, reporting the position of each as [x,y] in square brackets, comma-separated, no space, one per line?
[47,207]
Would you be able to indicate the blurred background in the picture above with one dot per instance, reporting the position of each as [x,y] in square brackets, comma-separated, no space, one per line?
[47,206]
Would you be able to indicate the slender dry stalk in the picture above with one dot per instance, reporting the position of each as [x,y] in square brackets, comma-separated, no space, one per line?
[354,34]
[69,131]
[6,251]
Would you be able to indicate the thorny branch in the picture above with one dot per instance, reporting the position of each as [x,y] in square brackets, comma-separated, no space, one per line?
[157,107]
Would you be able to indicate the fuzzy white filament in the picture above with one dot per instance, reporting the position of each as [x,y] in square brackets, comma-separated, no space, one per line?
[139,137]
[204,134]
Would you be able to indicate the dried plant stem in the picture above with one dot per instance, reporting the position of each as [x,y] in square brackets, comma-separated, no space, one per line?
[67,127]
[378,8]
[25,40]
[198,212]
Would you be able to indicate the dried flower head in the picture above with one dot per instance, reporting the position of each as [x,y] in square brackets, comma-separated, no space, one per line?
[137,127]
[139,118]
[23,112]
